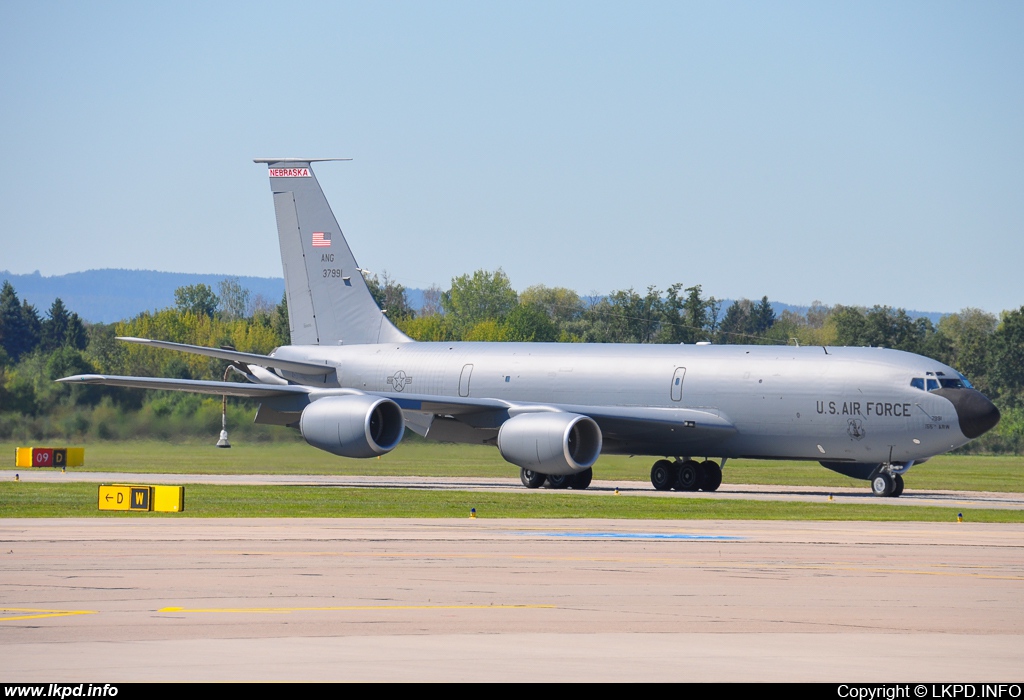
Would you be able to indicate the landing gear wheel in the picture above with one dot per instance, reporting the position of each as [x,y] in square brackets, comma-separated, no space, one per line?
[712,477]
[532,480]
[663,475]
[897,486]
[882,485]
[690,476]
[581,480]
[559,481]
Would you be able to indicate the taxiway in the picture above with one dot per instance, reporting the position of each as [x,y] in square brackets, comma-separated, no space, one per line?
[519,600]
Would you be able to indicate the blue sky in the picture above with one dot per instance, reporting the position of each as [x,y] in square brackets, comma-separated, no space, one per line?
[850,152]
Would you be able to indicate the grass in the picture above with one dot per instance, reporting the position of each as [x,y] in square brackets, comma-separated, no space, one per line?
[36,500]
[419,458]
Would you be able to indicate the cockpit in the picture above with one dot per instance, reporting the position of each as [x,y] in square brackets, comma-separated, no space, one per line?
[940,380]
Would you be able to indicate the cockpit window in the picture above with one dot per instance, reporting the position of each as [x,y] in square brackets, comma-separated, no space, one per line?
[935,380]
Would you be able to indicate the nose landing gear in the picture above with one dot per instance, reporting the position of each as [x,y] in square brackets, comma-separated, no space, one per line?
[886,484]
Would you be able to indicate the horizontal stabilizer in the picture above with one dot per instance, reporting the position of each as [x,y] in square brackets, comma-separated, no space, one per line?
[309,368]
[194,386]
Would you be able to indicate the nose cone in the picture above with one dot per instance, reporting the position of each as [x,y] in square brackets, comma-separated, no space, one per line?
[977,415]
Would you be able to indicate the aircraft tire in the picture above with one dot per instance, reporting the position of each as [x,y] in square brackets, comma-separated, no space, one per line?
[882,485]
[581,480]
[663,475]
[532,479]
[559,481]
[712,477]
[690,476]
[897,486]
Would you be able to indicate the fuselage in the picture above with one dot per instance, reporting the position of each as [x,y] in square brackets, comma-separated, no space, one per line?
[826,404]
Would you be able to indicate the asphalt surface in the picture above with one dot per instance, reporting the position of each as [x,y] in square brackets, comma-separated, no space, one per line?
[108,600]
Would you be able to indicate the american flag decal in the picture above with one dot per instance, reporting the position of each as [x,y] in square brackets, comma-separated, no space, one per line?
[321,240]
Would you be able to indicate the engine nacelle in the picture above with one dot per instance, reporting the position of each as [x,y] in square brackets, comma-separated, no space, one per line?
[550,443]
[353,426]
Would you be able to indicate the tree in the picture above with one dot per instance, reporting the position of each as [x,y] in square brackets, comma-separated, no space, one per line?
[233,301]
[280,324]
[62,328]
[734,326]
[1007,358]
[478,297]
[817,314]
[695,310]
[529,323]
[967,335]
[673,327]
[850,324]
[390,297]
[762,317]
[432,328]
[561,305]
[624,316]
[55,327]
[887,327]
[431,301]
[196,299]
[20,327]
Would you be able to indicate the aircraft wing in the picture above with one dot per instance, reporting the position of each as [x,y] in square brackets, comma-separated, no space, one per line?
[447,405]
[248,358]
[455,405]
[195,386]
[627,424]
[622,423]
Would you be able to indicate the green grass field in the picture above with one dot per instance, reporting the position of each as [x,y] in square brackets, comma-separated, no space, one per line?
[419,458]
[35,500]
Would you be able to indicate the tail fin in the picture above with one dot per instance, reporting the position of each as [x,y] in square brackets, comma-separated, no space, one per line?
[328,300]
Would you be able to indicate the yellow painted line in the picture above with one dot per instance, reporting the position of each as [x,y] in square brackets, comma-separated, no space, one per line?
[40,613]
[355,608]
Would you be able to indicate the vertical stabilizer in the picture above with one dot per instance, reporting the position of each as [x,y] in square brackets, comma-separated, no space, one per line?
[328,300]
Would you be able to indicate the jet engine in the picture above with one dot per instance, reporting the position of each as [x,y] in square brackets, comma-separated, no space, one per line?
[550,443]
[353,426]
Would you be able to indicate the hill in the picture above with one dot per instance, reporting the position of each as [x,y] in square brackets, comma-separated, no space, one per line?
[106,296]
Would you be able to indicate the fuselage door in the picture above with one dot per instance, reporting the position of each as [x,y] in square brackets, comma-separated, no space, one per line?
[467,372]
[677,384]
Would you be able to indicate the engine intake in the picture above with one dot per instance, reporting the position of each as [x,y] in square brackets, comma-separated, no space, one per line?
[550,443]
[353,426]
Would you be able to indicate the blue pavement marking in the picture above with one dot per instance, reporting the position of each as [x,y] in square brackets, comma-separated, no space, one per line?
[634,536]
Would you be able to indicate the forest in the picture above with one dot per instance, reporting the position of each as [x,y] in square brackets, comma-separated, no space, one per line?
[36,349]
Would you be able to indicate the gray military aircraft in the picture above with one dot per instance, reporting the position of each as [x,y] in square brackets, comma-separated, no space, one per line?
[351,382]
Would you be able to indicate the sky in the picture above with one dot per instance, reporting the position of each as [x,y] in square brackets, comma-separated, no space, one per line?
[854,153]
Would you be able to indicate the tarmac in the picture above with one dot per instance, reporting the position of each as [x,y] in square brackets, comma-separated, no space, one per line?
[117,600]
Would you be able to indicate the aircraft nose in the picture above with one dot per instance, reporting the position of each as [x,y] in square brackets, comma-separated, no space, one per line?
[977,415]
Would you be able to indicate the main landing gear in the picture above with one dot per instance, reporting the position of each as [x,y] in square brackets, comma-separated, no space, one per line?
[686,475]
[534,480]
